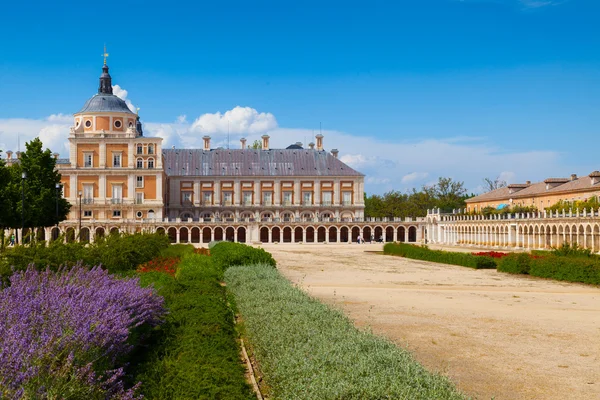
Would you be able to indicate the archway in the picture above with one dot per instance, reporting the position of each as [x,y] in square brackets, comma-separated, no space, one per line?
[172,232]
[206,235]
[114,230]
[230,234]
[241,234]
[218,234]
[355,233]
[378,234]
[183,235]
[160,230]
[54,233]
[100,233]
[389,234]
[333,234]
[321,234]
[70,235]
[367,233]
[401,234]
[40,235]
[298,235]
[84,235]
[287,234]
[310,234]
[264,234]
[195,233]
[344,234]
[276,235]
[412,234]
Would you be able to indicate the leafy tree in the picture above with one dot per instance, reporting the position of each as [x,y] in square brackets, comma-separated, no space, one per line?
[449,194]
[256,145]
[493,184]
[39,189]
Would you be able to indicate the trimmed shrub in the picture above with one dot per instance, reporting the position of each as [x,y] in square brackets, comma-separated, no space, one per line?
[307,350]
[228,254]
[517,263]
[439,256]
[194,354]
[572,269]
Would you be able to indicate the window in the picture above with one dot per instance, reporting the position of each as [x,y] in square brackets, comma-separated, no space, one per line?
[140,149]
[150,213]
[139,214]
[150,149]
[117,160]
[227,196]
[186,197]
[326,198]
[247,198]
[151,163]
[140,163]
[307,198]
[139,181]
[207,198]
[116,213]
[87,213]
[88,160]
[267,198]
[139,198]
[88,194]
[287,198]
[118,124]
[287,217]
[347,198]
[88,124]
[117,194]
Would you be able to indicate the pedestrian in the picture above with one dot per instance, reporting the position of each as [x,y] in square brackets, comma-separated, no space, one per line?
[358,239]
[12,239]
[372,238]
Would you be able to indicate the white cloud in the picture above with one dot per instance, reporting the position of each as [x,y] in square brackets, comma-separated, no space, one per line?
[239,120]
[122,94]
[414,177]
[53,131]
[60,118]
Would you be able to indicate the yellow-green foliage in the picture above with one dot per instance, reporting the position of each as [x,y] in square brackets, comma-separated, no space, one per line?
[439,256]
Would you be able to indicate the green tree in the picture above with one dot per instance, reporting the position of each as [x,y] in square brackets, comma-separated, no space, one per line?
[449,194]
[39,189]
[4,199]
[256,145]
[493,184]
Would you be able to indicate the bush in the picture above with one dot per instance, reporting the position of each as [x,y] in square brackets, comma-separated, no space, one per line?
[227,254]
[194,354]
[307,350]
[62,334]
[568,250]
[116,253]
[517,263]
[177,250]
[439,256]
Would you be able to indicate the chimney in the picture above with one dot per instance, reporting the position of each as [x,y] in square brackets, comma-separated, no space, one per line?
[573,177]
[319,142]
[19,155]
[206,142]
[243,142]
[9,154]
[265,142]
[311,145]
[299,144]
[55,156]
[335,152]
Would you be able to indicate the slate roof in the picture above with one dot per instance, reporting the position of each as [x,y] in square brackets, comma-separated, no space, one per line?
[253,162]
[104,102]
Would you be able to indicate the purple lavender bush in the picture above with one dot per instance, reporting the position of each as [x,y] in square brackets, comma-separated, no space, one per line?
[62,333]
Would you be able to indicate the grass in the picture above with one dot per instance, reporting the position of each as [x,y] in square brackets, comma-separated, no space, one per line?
[194,355]
[307,350]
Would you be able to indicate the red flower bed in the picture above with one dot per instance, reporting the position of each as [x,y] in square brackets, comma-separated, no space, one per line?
[167,265]
[493,254]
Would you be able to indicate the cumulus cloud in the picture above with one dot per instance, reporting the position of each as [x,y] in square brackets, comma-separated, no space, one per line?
[122,94]
[414,177]
[240,120]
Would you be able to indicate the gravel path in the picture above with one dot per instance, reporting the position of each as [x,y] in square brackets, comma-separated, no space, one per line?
[494,334]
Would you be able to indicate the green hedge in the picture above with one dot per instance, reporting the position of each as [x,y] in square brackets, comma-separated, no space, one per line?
[563,268]
[194,354]
[228,254]
[307,350]
[117,253]
[439,256]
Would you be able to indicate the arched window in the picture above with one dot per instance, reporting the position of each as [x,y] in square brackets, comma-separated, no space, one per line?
[151,163]
[140,163]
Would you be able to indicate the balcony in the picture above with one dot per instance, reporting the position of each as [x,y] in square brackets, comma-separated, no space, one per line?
[286,203]
[267,203]
[227,203]
[87,165]
[247,203]
[87,201]
[307,203]
[326,203]
[139,201]
[187,203]
[346,203]
[116,201]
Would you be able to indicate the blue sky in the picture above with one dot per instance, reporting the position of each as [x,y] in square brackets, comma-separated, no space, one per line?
[406,90]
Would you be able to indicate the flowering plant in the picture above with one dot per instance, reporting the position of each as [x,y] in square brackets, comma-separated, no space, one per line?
[62,333]
[493,254]
[167,265]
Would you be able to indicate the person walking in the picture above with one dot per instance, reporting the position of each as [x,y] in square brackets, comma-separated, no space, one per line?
[358,239]
[12,239]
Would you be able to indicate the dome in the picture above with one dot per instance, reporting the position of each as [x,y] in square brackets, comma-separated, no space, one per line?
[104,102]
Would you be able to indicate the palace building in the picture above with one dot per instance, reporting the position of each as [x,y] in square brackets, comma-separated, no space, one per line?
[117,179]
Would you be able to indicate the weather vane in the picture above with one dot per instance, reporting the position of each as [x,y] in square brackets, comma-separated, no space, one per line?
[105,55]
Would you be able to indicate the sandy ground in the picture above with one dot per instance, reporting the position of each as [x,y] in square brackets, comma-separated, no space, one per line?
[495,335]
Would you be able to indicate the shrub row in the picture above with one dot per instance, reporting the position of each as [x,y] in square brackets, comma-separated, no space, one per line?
[307,350]
[228,254]
[439,256]
[116,253]
[563,268]
[194,355]
[63,334]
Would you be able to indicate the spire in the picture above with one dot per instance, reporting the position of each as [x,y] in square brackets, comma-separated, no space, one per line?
[105,79]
